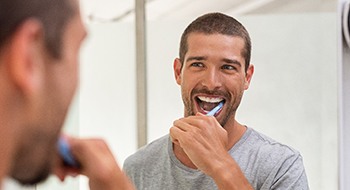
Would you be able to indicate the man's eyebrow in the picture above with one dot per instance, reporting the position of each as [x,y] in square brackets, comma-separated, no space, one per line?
[232,61]
[196,58]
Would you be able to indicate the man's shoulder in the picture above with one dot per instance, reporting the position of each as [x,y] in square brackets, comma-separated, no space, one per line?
[274,154]
[271,162]
[268,144]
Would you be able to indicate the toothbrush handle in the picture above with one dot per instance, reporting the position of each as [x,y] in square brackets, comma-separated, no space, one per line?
[65,153]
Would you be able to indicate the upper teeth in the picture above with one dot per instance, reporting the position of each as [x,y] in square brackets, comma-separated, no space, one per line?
[210,99]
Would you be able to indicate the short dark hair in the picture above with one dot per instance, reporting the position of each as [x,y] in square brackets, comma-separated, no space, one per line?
[53,15]
[217,23]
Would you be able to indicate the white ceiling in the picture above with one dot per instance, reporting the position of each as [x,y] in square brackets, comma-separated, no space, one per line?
[123,10]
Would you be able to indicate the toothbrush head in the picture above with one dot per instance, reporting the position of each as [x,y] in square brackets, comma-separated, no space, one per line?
[215,110]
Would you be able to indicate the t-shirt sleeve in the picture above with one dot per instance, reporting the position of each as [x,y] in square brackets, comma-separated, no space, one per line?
[291,175]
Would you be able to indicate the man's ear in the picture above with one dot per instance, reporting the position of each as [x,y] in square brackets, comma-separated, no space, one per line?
[248,76]
[177,70]
[26,56]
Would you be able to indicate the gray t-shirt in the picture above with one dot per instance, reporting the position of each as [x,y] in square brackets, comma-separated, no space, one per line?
[266,164]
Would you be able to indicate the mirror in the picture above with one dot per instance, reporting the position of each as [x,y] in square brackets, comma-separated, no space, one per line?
[292,98]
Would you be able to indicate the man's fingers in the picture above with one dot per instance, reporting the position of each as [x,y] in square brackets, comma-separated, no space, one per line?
[182,124]
[175,134]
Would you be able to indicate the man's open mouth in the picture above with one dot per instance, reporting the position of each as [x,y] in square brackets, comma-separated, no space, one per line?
[206,104]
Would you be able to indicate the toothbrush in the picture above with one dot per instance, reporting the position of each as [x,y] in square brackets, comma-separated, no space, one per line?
[65,153]
[215,110]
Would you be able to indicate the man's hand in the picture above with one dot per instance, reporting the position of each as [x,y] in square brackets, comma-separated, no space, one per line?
[97,163]
[205,143]
[203,139]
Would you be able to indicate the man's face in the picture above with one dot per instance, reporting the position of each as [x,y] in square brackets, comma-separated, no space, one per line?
[37,152]
[213,71]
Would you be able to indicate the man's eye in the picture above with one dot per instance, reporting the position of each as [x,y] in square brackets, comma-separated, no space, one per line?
[228,67]
[197,64]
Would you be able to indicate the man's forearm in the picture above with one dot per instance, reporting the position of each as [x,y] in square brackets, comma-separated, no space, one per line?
[228,176]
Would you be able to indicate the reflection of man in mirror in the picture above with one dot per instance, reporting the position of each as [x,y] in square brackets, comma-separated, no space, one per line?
[215,152]
[39,45]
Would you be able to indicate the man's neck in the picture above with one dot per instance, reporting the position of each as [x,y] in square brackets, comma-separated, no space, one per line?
[182,156]
[9,137]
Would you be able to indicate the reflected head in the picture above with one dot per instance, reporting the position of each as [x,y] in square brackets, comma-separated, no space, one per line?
[217,23]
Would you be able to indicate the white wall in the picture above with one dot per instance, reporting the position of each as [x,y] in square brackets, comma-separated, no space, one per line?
[107,93]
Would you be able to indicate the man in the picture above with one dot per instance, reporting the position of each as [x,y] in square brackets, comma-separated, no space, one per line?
[215,152]
[39,45]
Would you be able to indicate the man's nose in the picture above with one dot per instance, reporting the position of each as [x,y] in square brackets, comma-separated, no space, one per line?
[212,79]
